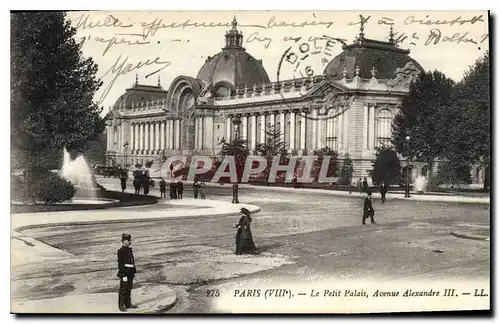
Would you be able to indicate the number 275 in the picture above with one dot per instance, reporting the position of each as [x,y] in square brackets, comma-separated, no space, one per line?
[213,293]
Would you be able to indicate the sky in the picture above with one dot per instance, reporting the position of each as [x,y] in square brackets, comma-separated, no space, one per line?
[167,44]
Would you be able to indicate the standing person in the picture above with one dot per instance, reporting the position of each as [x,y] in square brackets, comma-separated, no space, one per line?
[137,186]
[244,239]
[368,210]
[365,185]
[358,184]
[123,182]
[195,189]
[383,191]
[163,188]
[126,273]
[203,193]
[180,189]
[173,190]
[146,184]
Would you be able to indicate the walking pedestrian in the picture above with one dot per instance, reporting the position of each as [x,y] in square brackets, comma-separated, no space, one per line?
[244,239]
[358,184]
[368,210]
[365,185]
[126,273]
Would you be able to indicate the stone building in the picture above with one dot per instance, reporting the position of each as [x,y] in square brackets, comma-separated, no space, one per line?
[349,107]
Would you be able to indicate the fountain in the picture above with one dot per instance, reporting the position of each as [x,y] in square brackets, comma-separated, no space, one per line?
[78,172]
[420,183]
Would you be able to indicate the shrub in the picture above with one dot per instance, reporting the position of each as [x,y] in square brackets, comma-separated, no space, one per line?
[44,187]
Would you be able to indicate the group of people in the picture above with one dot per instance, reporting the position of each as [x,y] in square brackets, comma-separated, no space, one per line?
[199,190]
[176,189]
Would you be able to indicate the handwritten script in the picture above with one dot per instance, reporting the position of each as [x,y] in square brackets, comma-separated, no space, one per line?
[122,66]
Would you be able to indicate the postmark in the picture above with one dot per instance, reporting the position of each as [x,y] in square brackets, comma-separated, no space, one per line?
[305,61]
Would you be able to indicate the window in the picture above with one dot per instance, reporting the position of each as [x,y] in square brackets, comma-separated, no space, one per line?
[384,122]
[115,137]
[332,129]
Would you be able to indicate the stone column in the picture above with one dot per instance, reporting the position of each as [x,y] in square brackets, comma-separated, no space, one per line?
[303,131]
[157,137]
[314,128]
[132,138]
[292,130]
[254,132]
[365,127]
[320,133]
[340,130]
[151,137]
[282,125]
[139,136]
[272,119]
[244,126]
[371,128]
[228,129]
[162,135]
[263,128]
[171,134]
[346,130]
[208,137]
[177,123]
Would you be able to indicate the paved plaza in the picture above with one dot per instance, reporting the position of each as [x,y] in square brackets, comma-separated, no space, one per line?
[302,236]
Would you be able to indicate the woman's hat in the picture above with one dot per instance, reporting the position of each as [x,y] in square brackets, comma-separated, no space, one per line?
[245,211]
[126,237]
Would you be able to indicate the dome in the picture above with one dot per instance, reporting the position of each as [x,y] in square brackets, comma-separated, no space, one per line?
[233,65]
[140,93]
[367,54]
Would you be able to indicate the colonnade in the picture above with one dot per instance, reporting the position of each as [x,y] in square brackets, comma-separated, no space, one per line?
[148,137]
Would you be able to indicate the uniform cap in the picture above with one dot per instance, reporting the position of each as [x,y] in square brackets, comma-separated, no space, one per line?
[245,211]
[127,237]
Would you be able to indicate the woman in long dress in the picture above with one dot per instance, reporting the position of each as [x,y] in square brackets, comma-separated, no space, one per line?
[244,239]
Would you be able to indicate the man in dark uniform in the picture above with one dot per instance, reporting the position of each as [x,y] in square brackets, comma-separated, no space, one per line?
[126,272]
[163,188]
[180,189]
[383,191]
[368,210]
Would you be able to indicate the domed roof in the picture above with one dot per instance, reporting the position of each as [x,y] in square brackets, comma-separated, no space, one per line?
[368,54]
[233,65]
[140,93]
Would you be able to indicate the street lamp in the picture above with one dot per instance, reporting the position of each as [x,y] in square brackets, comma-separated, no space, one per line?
[236,125]
[125,149]
[407,186]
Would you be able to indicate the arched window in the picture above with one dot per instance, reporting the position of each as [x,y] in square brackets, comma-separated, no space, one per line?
[332,129]
[384,122]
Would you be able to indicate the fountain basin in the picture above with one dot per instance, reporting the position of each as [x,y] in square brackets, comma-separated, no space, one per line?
[88,201]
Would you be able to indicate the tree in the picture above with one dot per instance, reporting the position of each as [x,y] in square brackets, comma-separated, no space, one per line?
[52,90]
[237,148]
[469,137]
[421,117]
[273,145]
[332,165]
[386,166]
[346,171]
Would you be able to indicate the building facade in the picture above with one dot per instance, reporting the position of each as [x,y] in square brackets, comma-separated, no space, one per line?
[349,107]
